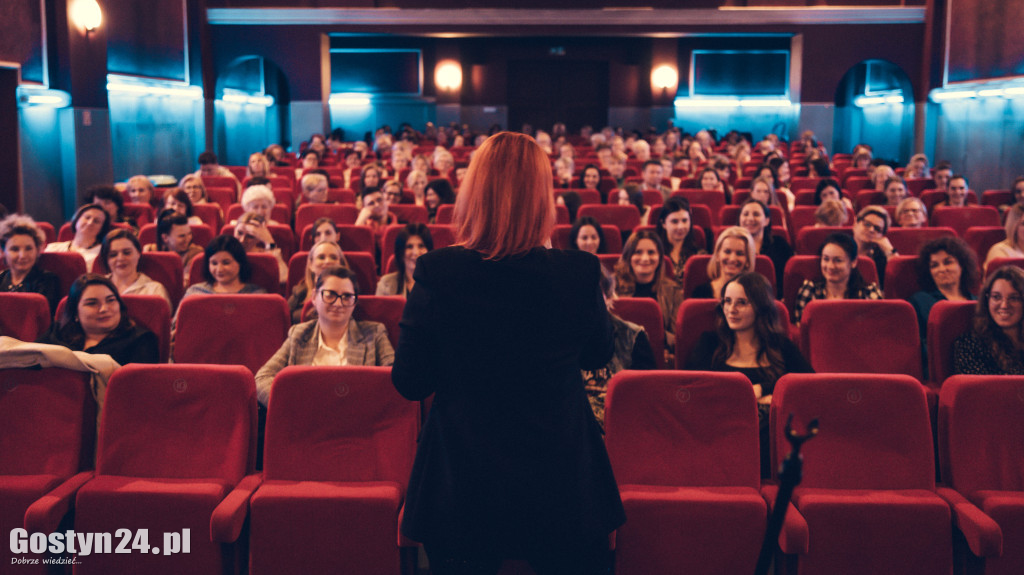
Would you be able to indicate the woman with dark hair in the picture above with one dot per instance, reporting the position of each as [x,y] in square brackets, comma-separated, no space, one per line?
[590,178]
[840,278]
[90,224]
[21,241]
[325,230]
[781,172]
[995,343]
[586,235]
[624,197]
[675,230]
[571,201]
[755,218]
[412,241]
[121,251]
[227,269]
[640,272]
[500,474]
[95,320]
[829,189]
[749,337]
[176,199]
[946,270]
[370,177]
[437,192]
[332,337]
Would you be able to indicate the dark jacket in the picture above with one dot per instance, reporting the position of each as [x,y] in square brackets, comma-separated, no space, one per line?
[135,345]
[510,452]
[38,281]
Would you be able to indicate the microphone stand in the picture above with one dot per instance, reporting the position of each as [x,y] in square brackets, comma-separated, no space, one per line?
[790,474]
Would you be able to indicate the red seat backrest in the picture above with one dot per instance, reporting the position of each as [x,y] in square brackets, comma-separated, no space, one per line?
[801,268]
[340,213]
[695,272]
[67,265]
[645,312]
[810,239]
[901,277]
[960,219]
[265,272]
[230,329]
[152,313]
[24,316]
[623,217]
[946,322]
[909,241]
[385,309]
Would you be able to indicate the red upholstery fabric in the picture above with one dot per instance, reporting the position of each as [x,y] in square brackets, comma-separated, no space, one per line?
[809,239]
[800,268]
[645,312]
[947,320]
[264,271]
[351,238]
[909,241]
[982,457]
[714,201]
[997,198]
[211,214]
[142,213]
[47,430]
[684,447]
[996,263]
[340,213]
[166,268]
[67,265]
[409,213]
[695,272]
[962,218]
[982,238]
[623,217]
[868,491]
[901,277]
[696,316]
[230,329]
[339,449]
[877,336]
[383,309]
[24,316]
[586,196]
[444,214]
[933,197]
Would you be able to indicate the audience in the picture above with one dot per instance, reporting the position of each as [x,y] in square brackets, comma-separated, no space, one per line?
[640,272]
[754,218]
[174,234]
[177,200]
[869,231]
[140,190]
[911,213]
[947,269]
[675,229]
[252,231]
[1013,245]
[586,235]
[437,193]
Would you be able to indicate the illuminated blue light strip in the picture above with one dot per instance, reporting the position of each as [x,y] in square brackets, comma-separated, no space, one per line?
[733,103]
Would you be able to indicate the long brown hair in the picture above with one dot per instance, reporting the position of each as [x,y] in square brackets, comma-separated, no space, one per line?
[768,329]
[1006,354]
[506,204]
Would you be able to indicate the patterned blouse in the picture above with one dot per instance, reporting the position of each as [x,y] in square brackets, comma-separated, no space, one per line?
[810,291]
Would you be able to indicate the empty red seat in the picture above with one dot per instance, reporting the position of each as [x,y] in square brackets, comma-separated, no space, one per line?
[409,213]
[339,449]
[340,213]
[176,451]
[211,214]
[166,268]
[946,322]
[684,448]
[385,309]
[67,265]
[962,218]
[24,316]
[223,329]
[713,200]
[981,239]
[909,241]
[152,313]
[901,277]
[982,457]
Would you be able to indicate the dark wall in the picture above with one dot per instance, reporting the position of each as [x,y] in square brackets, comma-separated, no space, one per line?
[986,39]
[294,49]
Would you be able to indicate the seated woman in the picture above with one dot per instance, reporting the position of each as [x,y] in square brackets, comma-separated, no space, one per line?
[325,230]
[590,178]
[675,229]
[946,270]
[412,241]
[334,338]
[829,189]
[830,214]
[314,189]
[177,200]
[895,191]
[95,320]
[227,269]
[1013,245]
[258,166]
[881,176]
[141,191]
[586,235]
[632,351]
[260,200]
[735,253]
[193,185]
[869,231]
[640,272]
[91,223]
[252,231]
[173,234]
[417,182]
[840,278]
[783,176]
[911,213]
[370,177]
[325,254]
[436,193]
[112,202]
[121,251]
[749,338]
[994,345]
[21,241]
[754,218]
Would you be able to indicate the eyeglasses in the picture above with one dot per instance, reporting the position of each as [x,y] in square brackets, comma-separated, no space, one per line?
[331,296]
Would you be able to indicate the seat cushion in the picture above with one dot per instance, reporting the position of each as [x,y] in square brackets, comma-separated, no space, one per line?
[357,521]
[1007,509]
[108,503]
[690,529]
[868,531]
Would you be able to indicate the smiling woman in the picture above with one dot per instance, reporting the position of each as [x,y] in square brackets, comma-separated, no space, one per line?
[840,278]
[994,344]
[640,272]
[121,251]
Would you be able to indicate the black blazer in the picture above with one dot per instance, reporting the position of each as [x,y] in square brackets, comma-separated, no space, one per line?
[510,453]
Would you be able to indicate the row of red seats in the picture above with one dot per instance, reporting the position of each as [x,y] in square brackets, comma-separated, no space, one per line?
[177,449]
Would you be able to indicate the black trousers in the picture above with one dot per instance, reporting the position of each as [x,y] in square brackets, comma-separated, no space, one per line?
[589,557]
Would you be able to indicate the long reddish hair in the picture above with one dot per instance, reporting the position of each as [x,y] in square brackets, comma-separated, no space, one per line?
[506,204]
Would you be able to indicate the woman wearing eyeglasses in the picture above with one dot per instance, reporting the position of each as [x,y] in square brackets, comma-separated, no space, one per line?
[334,338]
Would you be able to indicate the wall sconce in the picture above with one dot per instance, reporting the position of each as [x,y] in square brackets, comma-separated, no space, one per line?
[87,14]
[448,75]
[664,77]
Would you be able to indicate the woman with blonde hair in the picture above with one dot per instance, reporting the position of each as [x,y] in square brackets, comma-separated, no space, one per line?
[1013,245]
[258,167]
[500,474]
[321,256]
[735,253]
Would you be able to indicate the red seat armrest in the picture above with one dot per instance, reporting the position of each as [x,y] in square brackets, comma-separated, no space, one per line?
[44,516]
[982,533]
[229,516]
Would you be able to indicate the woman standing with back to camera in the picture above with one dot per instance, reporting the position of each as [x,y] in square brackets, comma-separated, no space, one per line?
[510,463]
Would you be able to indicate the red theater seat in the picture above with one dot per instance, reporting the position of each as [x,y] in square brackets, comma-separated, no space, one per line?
[947,320]
[339,449]
[152,313]
[801,268]
[901,277]
[960,219]
[612,238]
[24,316]
[982,458]
[645,312]
[176,451]
[684,448]
[623,217]
[225,329]
[868,501]
[714,201]
[67,265]
[697,316]
[909,241]
[695,272]
[265,272]
[810,239]
[340,213]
